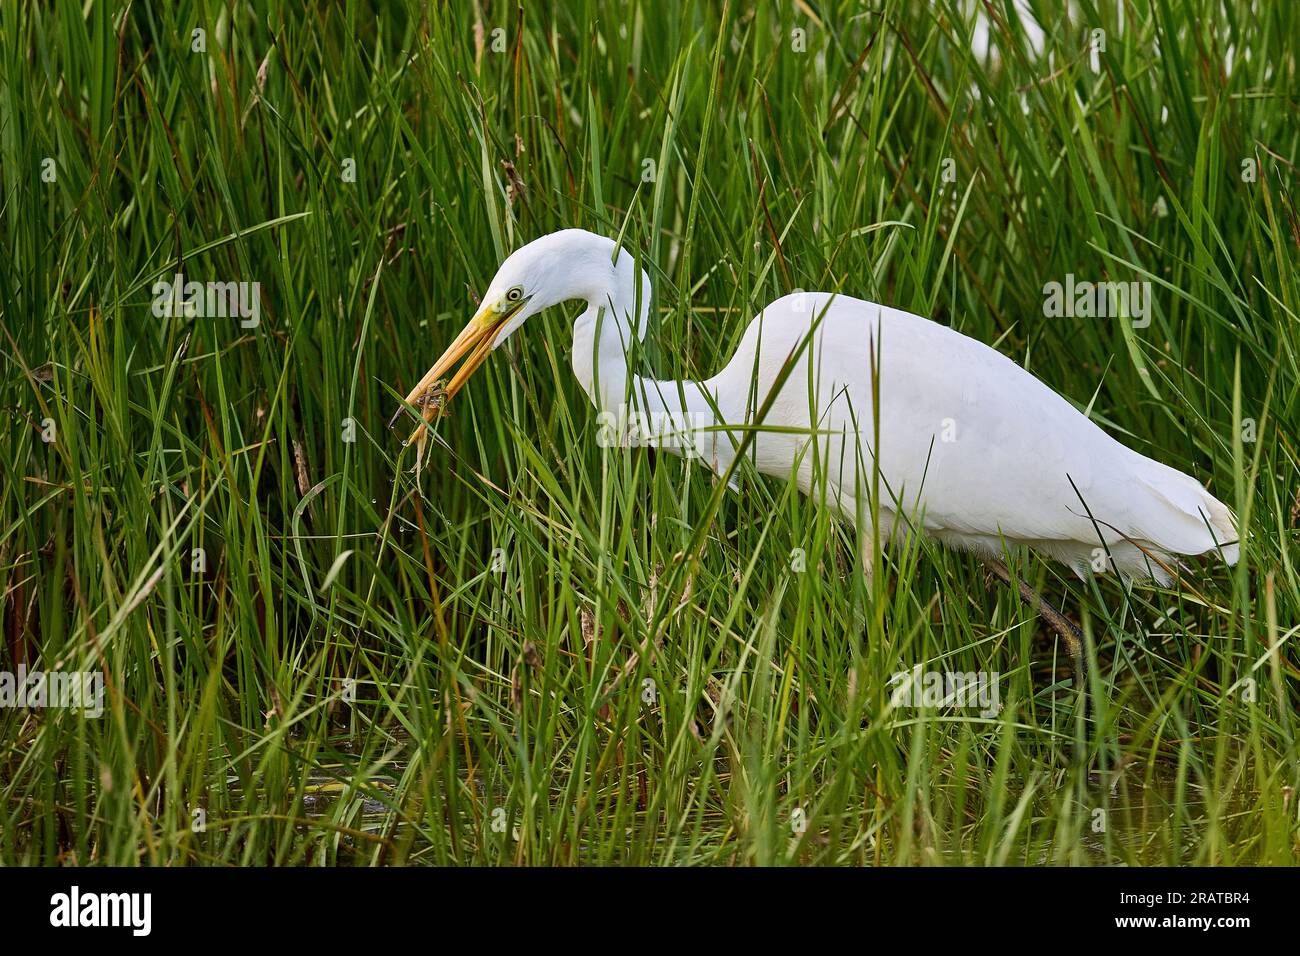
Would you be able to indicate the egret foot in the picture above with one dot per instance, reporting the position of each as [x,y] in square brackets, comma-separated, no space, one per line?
[1058,622]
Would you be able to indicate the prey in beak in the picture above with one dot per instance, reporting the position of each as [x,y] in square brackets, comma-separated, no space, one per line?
[430,394]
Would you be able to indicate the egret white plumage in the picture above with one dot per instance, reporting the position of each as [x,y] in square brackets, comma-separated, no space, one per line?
[970,448]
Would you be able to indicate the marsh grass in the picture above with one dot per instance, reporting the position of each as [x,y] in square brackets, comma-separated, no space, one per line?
[542,650]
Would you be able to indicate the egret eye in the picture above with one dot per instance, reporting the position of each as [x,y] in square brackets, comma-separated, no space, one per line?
[515,294]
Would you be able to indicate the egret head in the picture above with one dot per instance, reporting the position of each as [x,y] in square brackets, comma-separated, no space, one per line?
[572,264]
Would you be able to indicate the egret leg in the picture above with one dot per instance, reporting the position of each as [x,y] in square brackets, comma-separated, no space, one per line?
[1061,624]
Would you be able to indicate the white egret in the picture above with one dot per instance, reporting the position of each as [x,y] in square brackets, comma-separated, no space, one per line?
[971,448]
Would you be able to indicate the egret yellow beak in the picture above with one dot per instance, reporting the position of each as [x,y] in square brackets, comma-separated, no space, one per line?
[475,340]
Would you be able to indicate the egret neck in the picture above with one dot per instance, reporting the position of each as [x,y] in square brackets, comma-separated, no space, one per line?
[675,415]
